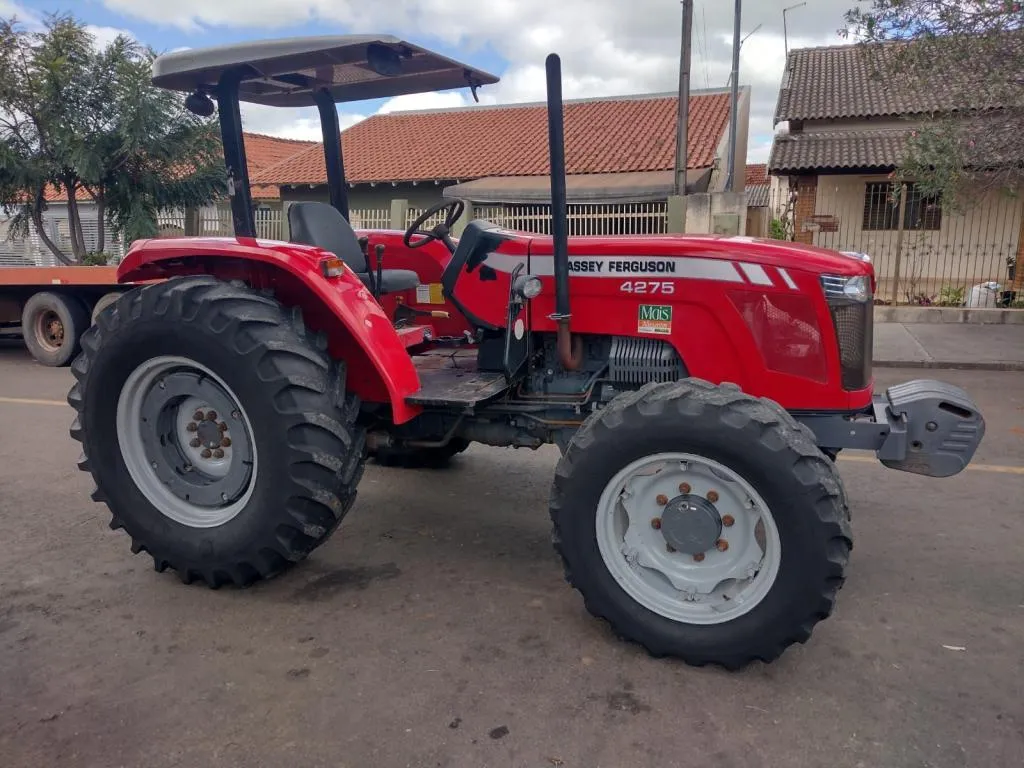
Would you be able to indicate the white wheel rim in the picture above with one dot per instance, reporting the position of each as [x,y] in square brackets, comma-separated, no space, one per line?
[154,470]
[711,587]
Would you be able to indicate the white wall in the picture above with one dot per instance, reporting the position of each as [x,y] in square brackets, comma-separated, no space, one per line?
[971,246]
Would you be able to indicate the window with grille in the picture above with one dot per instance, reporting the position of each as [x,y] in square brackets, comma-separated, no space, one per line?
[882,208]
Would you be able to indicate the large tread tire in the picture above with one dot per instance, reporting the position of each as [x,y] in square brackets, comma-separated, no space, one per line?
[420,458]
[73,317]
[764,444]
[310,451]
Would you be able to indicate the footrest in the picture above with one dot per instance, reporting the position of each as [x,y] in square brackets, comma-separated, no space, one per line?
[453,380]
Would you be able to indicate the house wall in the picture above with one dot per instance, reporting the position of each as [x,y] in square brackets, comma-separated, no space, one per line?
[970,246]
[365,197]
[718,176]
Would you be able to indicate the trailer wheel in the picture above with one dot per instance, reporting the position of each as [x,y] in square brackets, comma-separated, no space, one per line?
[425,458]
[52,325]
[701,523]
[218,433]
[106,300]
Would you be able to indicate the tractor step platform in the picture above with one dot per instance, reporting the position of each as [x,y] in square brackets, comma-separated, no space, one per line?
[452,379]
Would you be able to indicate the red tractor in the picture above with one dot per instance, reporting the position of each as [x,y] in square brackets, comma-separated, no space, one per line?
[698,388]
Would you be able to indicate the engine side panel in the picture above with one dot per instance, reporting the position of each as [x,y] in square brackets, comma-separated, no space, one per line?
[733,311]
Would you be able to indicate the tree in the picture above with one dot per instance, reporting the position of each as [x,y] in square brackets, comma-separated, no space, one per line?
[968,56]
[88,123]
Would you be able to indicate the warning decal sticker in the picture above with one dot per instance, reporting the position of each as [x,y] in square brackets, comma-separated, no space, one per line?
[654,318]
[429,293]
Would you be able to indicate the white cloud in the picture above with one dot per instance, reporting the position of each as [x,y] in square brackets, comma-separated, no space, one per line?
[104,36]
[10,9]
[414,101]
[607,47]
[290,123]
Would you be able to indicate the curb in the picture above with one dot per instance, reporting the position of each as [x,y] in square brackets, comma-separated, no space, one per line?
[962,315]
[1015,365]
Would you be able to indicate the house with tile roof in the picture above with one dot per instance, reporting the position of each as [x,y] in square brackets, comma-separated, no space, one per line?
[262,152]
[845,130]
[618,149]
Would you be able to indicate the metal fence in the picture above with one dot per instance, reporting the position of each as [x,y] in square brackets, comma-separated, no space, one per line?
[924,253]
[584,219]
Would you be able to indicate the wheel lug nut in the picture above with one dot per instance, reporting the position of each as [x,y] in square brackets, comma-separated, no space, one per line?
[712,496]
[192,426]
[722,545]
[207,453]
[226,442]
[211,416]
[194,442]
[223,427]
[684,488]
[699,557]
[198,416]
[656,523]
[662,499]
[728,520]
[218,453]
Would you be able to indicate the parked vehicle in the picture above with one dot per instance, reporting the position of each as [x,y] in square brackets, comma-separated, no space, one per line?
[699,388]
[53,306]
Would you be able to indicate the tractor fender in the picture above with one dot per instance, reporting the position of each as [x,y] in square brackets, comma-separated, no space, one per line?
[378,367]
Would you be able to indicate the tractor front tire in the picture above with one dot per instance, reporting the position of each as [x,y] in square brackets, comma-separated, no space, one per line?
[420,458]
[218,432]
[701,523]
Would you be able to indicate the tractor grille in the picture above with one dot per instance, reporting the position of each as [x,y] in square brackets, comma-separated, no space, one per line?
[640,361]
[854,325]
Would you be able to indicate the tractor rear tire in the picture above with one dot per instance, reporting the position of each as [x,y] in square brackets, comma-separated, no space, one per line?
[760,531]
[195,359]
[52,325]
[420,458]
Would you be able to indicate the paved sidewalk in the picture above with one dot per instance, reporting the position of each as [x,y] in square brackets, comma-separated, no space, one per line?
[950,345]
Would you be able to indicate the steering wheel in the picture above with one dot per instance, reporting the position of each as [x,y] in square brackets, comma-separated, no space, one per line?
[440,231]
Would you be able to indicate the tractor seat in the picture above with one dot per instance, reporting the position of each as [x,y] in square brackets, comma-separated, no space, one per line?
[323,225]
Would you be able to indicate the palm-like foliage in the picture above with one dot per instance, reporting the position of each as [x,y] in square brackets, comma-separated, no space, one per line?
[88,121]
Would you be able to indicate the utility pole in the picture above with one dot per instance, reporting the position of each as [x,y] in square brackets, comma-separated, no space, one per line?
[734,97]
[785,32]
[683,116]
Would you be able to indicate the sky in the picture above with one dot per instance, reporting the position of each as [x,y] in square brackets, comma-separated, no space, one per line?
[608,47]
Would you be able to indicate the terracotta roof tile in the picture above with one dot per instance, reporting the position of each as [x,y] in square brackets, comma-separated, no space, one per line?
[757,173]
[605,135]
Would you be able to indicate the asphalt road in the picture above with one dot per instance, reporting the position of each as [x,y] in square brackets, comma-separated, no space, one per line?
[435,629]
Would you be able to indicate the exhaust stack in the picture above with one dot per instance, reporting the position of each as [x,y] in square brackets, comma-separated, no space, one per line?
[570,350]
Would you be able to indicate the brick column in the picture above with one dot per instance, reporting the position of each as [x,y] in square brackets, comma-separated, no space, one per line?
[806,193]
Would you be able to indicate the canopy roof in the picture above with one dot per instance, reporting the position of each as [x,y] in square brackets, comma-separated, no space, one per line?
[288,71]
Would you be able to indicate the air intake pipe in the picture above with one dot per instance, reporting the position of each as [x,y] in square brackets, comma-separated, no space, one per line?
[570,350]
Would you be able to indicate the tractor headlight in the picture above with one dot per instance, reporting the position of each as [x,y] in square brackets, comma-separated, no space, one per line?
[857,288]
[528,286]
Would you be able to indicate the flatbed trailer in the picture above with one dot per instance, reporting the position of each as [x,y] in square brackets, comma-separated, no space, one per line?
[53,306]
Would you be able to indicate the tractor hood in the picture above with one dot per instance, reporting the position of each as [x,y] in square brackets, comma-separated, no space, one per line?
[749,250]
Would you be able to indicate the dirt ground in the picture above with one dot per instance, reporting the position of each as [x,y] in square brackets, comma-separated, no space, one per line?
[435,629]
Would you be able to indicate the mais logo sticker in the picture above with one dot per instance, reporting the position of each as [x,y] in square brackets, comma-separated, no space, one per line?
[654,318]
